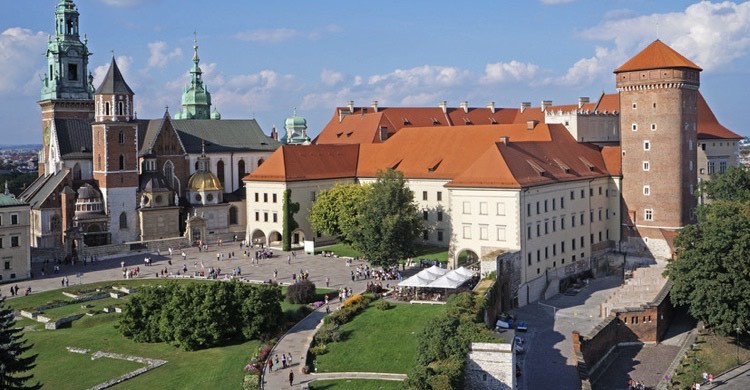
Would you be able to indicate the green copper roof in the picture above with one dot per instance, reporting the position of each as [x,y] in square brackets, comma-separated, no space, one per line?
[196,100]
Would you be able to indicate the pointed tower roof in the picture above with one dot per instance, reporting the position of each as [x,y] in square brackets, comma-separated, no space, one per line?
[657,55]
[113,82]
[196,100]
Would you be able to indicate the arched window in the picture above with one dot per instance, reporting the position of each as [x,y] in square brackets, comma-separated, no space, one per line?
[122,162]
[240,171]
[196,165]
[121,137]
[233,215]
[106,108]
[120,108]
[123,220]
[77,172]
[220,172]
[169,173]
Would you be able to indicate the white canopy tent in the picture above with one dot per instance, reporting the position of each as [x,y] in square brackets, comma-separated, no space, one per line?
[452,279]
[424,277]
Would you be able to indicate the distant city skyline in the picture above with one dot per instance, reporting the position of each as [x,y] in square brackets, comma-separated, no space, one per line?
[264,59]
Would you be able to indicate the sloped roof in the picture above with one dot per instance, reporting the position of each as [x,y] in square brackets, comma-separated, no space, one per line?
[451,149]
[609,102]
[657,55]
[44,189]
[9,201]
[74,137]
[612,159]
[708,126]
[113,82]
[308,162]
[223,135]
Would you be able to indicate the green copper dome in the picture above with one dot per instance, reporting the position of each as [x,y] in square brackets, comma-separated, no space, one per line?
[196,100]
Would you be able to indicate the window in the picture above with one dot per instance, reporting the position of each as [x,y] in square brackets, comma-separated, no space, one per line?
[554,202]
[121,162]
[220,173]
[312,196]
[265,217]
[646,145]
[123,220]
[600,214]
[634,127]
[554,225]
[572,195]
[554,249]
[537,207]
[257,216]
[528,258]
[424,195]
[722,166]
[106,108]
[483,208]
[538,255]
[583,244]
[257,196]
[483,232]
[583,194]
[14,219]
[591,192]
[440,235]
[439,196]
[573,245]
[538,229]
[528,232]
[73,72]
[425,215]
[635,106]
[467,231]
[501,233]
[546,252]
[573,220]
[121,138]
[1,242]
[591,216]
[273,198]
[562,202]
[545,205]
[648,214]
[14,242]
[562,246]
[7,265]
[646,190]
[583,222]
[528,209]
[653,127]
[467,208]
[275,217]
[600,190]
[500,208]
[265,197]
[711,167]
[120,108]
[440,215]
[240,170]
[546,227]
[646,166]
[562,222]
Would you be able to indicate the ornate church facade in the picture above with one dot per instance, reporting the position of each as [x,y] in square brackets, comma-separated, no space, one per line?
[108,177]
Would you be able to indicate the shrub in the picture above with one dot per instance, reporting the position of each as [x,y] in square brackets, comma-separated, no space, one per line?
[319,349]
[383,305]
[301,293]
[328,333]
[251,382]
[353,300]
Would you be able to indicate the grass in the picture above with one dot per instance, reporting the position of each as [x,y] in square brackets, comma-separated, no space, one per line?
[359,384]
[379,340]
[184,370]
[422,251]
[712,353]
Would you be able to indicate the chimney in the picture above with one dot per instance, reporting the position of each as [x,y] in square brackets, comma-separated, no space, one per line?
[531,124]
[465,106]
[504,139]
[491,106]
[444,106]
[351,106]
[582,100]
[546,104]
[525,105]
[374,105]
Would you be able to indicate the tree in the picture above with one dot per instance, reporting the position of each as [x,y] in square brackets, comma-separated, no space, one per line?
[733,185]
[288,224]
[12,362]
[334,213]
[387,222]
[711,273]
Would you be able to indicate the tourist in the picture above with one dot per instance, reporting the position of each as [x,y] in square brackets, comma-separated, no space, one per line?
[270,364]
[283,361]
[289,359]
[291,377]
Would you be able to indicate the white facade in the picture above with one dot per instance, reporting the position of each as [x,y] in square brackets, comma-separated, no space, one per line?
[15,249]
[119,201]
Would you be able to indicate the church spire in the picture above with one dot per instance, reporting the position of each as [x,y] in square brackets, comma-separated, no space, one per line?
[196,100]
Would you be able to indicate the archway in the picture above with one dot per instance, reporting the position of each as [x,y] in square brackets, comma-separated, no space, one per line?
[298,237]
[77,171]
[258,238]
[465,257]
[240,171]
[274,239]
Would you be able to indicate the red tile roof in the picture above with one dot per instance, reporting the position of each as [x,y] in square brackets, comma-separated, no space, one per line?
[655,56]
[708,126]
[302,162]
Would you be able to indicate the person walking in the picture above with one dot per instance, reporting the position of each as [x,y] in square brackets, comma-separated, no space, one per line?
[291,377]
[289,360]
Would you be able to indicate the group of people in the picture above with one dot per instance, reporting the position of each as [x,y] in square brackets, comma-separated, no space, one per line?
[14,290]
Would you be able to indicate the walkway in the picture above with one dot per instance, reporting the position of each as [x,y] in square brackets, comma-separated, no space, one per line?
[736,378]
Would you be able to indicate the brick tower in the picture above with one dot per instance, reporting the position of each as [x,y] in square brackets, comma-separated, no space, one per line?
[658,131]
[66,90]
[115,154]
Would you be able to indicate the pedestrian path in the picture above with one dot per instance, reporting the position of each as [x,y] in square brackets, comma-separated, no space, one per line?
[736,378]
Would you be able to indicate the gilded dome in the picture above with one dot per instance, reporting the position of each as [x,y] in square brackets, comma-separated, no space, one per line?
[204,181]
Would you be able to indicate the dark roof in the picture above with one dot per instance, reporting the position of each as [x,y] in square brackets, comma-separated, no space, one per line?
[225,135]
[113,82]
[74,137]
[42,188]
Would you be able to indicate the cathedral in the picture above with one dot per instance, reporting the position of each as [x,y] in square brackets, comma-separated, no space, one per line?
[109,177]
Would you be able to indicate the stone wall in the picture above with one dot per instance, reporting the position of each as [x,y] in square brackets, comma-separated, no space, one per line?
[509,280]
[490,366]
[591,349]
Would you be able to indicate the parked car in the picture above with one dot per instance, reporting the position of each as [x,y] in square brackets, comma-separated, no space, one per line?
[521,326]
[504,322]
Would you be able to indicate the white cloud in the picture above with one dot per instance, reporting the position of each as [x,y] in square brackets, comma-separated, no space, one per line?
[330,77]
[267,35]
[711,34]
[509,71]
[589,69]
[20,50]
[555,2]
[122,3]
[159,57]
[426,75]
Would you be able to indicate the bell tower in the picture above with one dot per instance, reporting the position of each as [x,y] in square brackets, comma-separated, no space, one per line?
[67,88]
[196,100]
[658,90]
[115,154]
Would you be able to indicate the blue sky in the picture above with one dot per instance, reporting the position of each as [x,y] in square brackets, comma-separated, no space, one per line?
[262,59]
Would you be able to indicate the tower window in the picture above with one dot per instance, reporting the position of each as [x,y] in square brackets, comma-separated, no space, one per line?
[646,145]
[634,127]
[121,138]
[123,221]
[635,106]
[120,108]
[106,108]
[646,166]
[653,127]
[647,190]
[648,214]
[122,162]
[73,72]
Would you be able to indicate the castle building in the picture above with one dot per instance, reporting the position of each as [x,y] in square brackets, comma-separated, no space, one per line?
[540,194]
[15,253]
[108,177]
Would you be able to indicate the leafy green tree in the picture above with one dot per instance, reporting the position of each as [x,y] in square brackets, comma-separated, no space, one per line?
[335,211]
[13,364]
[712,271]
[288,223]
[733,185]
[387,221]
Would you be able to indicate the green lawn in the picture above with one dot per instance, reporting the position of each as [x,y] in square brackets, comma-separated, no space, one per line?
[379,341]
[359,384]
[712,353]
[210,368]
